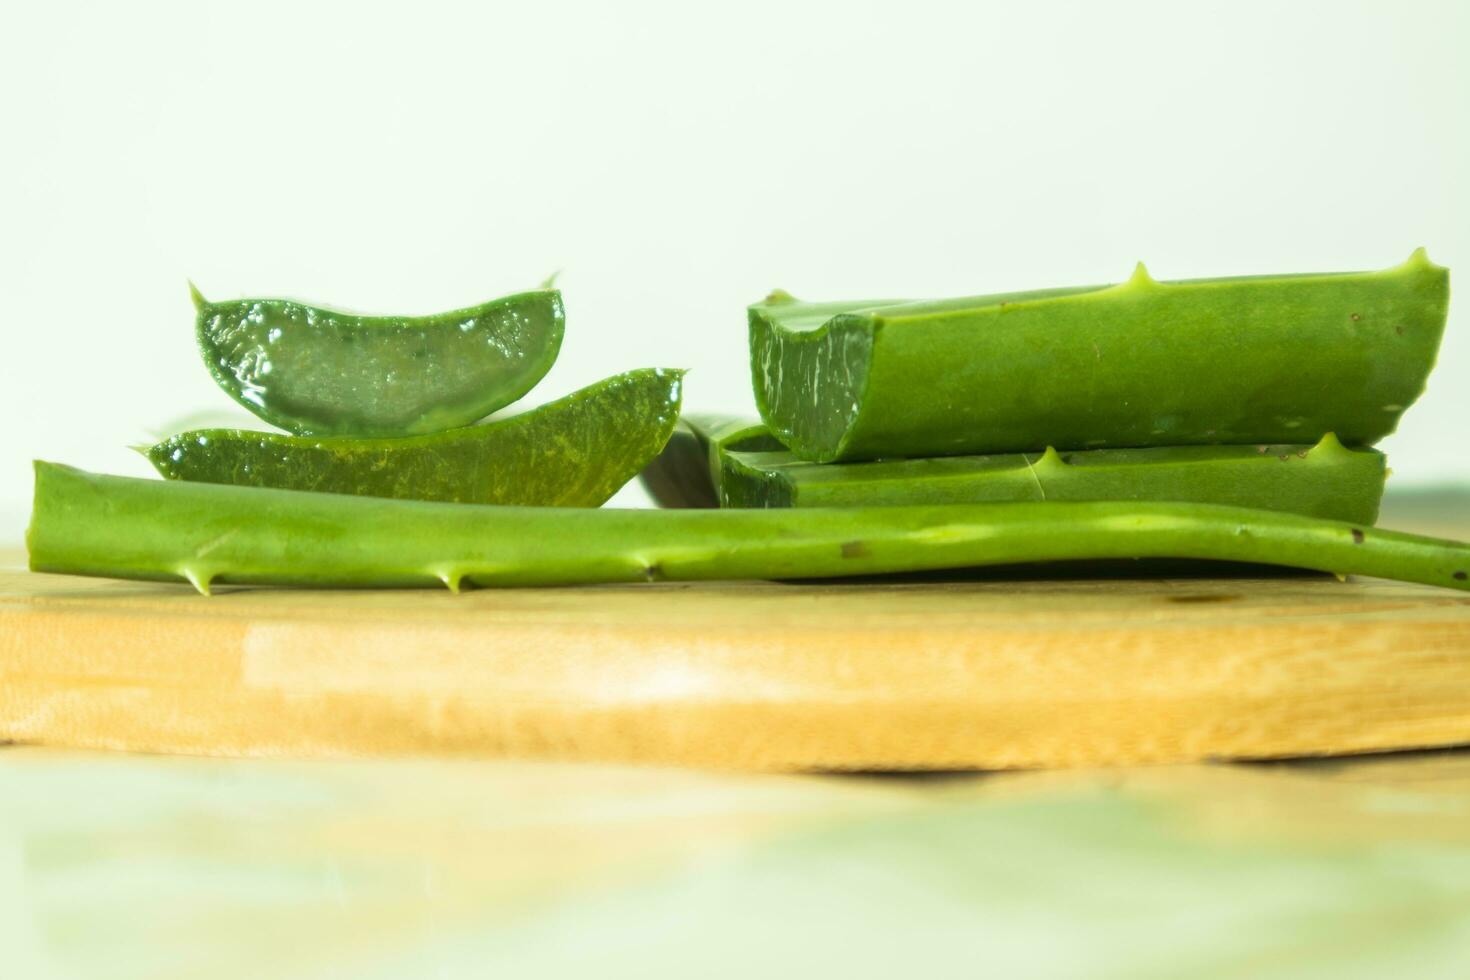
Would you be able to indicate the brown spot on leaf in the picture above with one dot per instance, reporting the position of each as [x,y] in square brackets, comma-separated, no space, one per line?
[1399,329]
[1284,457]
[1263,450]
[1302,454]
[855,549]
[654,572]
[1355,317]
[1357,536]
[1459,576]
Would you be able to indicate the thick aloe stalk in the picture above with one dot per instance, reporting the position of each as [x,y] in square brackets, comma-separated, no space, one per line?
[746,467]
[1276,359]
[316,371]
[89,524]
[574,452]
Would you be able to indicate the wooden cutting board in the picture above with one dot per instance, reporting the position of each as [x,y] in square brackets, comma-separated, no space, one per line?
[929,674]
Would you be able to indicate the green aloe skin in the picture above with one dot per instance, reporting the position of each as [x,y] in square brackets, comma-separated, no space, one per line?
[575,452]
[204,533]
[747,467]
[1273,359]
[679,476]
[687,473]
[314,371]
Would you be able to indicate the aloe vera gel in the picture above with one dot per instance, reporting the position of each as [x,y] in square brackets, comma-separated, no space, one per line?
[315,371]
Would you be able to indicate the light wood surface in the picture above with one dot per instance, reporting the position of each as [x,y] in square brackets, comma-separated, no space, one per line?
[936,674]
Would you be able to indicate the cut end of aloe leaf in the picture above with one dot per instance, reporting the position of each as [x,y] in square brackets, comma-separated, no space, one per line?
[810,373]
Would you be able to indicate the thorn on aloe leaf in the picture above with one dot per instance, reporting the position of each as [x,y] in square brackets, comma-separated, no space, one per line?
[197,577]
[1327,445]
[1050,459]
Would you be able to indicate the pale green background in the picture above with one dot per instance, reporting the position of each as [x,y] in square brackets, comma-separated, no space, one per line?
[678,160]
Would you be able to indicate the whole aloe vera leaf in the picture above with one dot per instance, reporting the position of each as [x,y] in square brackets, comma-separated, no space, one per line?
[574,452]
[314,371]
[1326,480]
[90,524]
[1275,359]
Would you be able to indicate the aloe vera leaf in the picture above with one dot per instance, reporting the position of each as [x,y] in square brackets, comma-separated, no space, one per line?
[1273,359]
[315,371]
[91,524]
[574,452]
[687,472]
[1326,480]
[679,475]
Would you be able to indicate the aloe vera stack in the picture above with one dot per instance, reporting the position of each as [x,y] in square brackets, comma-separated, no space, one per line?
[1227,419]
[387,406]
[1262,392]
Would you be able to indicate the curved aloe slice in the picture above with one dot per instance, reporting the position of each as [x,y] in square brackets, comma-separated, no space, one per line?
[88,524]
[1276,359]
[575,452]
[750,469]
[315,371]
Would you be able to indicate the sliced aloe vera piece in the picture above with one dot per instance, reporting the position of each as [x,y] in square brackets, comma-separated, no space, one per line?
[575,452]
[687,472]
[679,476]
[88,524]
[1273,359]
[746,467]
[314,371]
